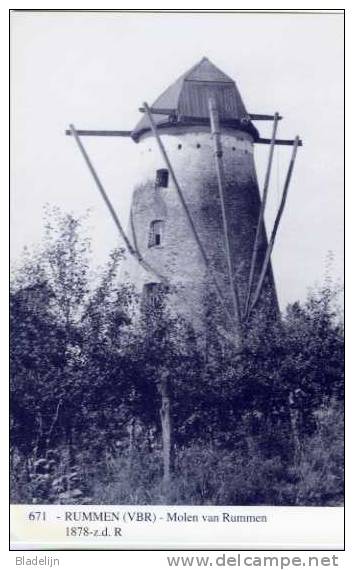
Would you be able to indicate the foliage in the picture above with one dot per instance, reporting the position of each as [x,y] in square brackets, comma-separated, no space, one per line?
[260,426]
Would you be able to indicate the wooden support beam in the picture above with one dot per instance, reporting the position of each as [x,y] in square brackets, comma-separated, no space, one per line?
[166,429]
[276,225]
[215,131]
[252,116]
[261,215]
[89,133]
[187,212]
[100,187]
[279,142]
[111,209]
[256,117]
[155,111]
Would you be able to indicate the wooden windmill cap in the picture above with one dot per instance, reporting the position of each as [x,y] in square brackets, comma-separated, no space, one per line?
[186,101]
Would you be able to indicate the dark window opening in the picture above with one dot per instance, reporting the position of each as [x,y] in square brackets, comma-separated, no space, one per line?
[153,295]
[162,178]
[156,233]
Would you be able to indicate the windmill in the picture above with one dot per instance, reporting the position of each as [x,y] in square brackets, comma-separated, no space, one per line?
[196,200]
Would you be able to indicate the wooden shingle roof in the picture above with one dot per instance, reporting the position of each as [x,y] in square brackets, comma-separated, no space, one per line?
[188,98]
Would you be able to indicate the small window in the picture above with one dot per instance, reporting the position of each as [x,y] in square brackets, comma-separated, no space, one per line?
[153,294]
[156,233]
[162,178]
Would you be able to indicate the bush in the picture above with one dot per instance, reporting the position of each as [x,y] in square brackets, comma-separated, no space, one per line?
[264,426]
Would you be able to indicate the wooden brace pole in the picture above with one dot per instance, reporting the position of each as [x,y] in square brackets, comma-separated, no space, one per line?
[281,142]
[261,214]
[99,133]
[252,116]
[186,210]
[215,131]
[258,117]
[276,225]
[166,429]
[109,205]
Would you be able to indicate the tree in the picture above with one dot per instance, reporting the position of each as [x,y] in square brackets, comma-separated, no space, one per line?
[110,393]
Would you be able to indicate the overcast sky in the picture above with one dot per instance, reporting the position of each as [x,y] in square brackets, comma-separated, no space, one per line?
[95,70]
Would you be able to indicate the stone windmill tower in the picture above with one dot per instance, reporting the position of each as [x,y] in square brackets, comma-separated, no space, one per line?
[196,219]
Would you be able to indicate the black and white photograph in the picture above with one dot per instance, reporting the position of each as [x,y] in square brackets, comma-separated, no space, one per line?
[177,237]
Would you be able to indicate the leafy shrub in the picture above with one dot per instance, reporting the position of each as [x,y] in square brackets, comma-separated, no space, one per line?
[264,426]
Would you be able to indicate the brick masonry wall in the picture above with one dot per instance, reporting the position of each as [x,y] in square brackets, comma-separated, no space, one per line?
[178,257]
